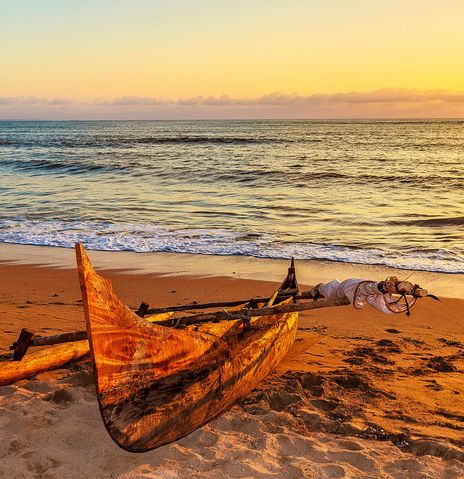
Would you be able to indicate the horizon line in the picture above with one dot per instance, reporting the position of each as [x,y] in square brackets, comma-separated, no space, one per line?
[374,118]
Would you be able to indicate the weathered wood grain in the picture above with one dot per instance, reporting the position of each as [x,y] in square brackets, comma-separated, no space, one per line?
[157,384]
[42,360]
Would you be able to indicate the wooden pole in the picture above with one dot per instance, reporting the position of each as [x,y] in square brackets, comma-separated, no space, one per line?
[225,304]
[247,313]
[59,338]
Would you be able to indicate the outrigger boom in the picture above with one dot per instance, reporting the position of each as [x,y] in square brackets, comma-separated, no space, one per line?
[28,339]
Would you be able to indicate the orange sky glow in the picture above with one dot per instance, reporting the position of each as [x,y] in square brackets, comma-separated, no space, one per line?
[241,59]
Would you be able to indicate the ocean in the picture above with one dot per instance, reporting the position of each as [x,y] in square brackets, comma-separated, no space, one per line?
[375,192]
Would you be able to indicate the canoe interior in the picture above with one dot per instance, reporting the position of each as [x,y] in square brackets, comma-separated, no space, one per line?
[156,384]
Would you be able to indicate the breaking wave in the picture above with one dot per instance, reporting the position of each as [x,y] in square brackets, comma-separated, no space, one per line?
[146,238]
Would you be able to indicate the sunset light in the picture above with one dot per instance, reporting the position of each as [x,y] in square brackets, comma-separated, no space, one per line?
[79,59]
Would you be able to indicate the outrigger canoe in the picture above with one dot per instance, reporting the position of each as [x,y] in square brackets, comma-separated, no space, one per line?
[157,383]
[159,378]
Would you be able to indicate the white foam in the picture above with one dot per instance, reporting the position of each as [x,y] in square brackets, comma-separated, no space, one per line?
[151,238]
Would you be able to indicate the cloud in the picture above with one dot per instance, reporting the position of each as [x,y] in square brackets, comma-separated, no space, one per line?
[32,100]
[382,103]
[131,100]
[391,95]
[382,96]
[386,95]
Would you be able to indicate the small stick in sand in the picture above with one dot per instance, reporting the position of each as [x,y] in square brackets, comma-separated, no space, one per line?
[23,343]
[143,308]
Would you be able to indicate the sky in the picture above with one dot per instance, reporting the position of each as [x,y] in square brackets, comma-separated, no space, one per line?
[175,59]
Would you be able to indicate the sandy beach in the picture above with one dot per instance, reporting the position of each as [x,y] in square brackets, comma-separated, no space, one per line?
[360,395]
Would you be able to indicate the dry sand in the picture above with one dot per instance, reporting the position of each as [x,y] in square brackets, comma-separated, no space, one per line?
[360,395]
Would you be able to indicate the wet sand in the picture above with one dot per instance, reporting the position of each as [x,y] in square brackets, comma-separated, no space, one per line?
[360,395]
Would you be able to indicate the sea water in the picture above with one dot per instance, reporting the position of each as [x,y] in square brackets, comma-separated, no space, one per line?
[377,192]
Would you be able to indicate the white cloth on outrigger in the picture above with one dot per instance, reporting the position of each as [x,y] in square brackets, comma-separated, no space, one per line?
[359,292]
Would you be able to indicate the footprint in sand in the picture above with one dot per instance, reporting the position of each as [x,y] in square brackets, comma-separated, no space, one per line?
[200,437]
[292,445]
[40,465]
[237,469]
[422,447]
[280,400]
[312,419]
[349,445]
[333,471]
[175,452]
[81,378]
[324,404]
[409,466]
[38,386]
[312,383]
[441,364]
[356,459]
[60,396]
[350,380]
[14,448]
[8,390]
[392,331]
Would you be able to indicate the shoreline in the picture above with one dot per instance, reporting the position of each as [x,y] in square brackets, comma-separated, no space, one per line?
[450,285]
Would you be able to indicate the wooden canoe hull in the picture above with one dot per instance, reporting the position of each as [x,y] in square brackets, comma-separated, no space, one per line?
[156,384]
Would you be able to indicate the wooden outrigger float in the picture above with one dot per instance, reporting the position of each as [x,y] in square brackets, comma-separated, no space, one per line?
[42,360]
